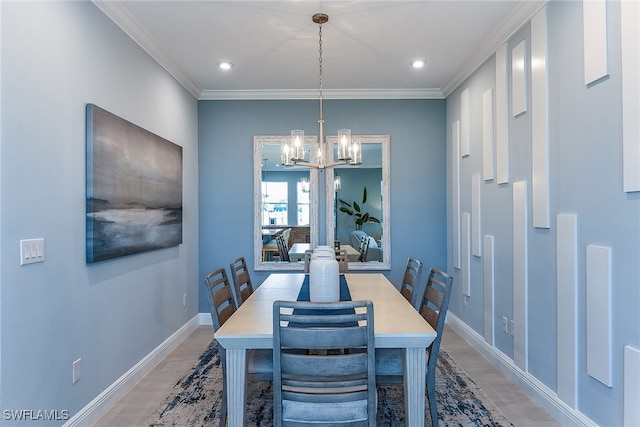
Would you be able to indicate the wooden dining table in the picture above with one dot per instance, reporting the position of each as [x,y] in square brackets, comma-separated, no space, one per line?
[397,325]
[296,253]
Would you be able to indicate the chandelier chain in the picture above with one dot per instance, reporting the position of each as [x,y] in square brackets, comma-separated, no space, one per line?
[320,56]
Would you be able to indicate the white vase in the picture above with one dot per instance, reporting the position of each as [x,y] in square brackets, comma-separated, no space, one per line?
[324,276]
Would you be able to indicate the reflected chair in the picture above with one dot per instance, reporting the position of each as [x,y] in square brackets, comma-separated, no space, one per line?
[222,306]
[343,260]
[363,248]
[433,305]
[283,248]
[313,382]
[341,257]
[411,281]
[242,285]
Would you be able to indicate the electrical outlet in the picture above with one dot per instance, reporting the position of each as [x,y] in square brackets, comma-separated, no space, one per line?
[184,300]
[504,324]
[77,370]
[513,328]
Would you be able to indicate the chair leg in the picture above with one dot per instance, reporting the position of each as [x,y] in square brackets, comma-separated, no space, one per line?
[431,394]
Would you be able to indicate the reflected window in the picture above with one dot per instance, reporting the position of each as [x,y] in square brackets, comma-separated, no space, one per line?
[274,203]
[304,202]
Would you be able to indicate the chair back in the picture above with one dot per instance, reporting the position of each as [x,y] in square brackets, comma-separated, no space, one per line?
[363,248]
[411,281]
[341,257]
[324,363]
[220,297]
[283,248]
[242,285]
[343,260]
[222,306]
[433,307]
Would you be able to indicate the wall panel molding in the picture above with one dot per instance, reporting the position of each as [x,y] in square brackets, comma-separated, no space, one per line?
[594,18]
[502,116]
[539,121]
[567,311]
[630,29]
[465,123]
[598,277]
[518,79]
[488,280]
[520,274]
[488,134]
[476,215]
[631,386]
[455,178]
[465,273]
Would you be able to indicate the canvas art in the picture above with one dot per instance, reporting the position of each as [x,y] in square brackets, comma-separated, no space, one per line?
[134,188]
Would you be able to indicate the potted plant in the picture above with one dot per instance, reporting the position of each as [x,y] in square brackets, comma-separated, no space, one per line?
[356,211]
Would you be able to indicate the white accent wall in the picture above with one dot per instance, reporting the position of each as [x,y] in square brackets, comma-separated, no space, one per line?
[561,217]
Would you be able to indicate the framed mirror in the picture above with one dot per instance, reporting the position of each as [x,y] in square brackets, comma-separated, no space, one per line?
[358,204]
[285,204]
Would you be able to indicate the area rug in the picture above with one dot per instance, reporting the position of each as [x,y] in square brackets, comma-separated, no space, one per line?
[195,399]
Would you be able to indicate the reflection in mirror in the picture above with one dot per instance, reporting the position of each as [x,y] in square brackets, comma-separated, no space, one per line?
[357,217]
[285,205]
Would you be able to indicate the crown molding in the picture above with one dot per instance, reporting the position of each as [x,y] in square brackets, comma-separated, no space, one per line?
[503,32]
[132,27]
[285,94]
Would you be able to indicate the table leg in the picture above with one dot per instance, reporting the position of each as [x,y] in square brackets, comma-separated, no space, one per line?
[414,385]
[236,385]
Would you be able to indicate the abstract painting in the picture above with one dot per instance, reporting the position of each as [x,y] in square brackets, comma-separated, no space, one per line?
[134,188]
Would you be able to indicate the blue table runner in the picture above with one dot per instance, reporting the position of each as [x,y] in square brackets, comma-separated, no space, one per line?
[304,294]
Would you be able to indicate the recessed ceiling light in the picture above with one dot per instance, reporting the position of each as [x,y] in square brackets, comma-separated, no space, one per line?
[225,65]
[418,63]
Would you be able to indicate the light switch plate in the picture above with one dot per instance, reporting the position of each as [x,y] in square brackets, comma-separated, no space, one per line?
[31,251]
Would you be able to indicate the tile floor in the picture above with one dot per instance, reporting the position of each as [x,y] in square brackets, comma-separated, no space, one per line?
[134,407]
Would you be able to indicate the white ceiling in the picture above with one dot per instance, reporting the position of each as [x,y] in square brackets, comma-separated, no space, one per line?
[367,45]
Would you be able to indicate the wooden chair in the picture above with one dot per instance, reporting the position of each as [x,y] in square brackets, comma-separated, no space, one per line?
[222,306]
[341,257]
[363,248]
[313,382]
[411,281]
[433,305]
[242,285]
[343,260]
[283,248]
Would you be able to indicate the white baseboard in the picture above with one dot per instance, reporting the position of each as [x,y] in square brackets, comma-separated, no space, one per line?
[539,392]
[205,319]
[101,404]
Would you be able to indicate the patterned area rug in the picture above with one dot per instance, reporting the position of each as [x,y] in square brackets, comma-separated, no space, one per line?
[195,399]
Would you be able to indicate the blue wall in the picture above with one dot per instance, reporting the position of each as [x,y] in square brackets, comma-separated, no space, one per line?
[585,140]
[418,173]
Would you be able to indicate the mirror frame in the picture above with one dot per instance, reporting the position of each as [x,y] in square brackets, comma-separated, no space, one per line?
[386,193]
[258,142]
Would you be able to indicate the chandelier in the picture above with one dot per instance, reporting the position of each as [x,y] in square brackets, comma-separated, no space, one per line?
[349,149]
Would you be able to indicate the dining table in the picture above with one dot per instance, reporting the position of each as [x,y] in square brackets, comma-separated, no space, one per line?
[296,253]
[396,323]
